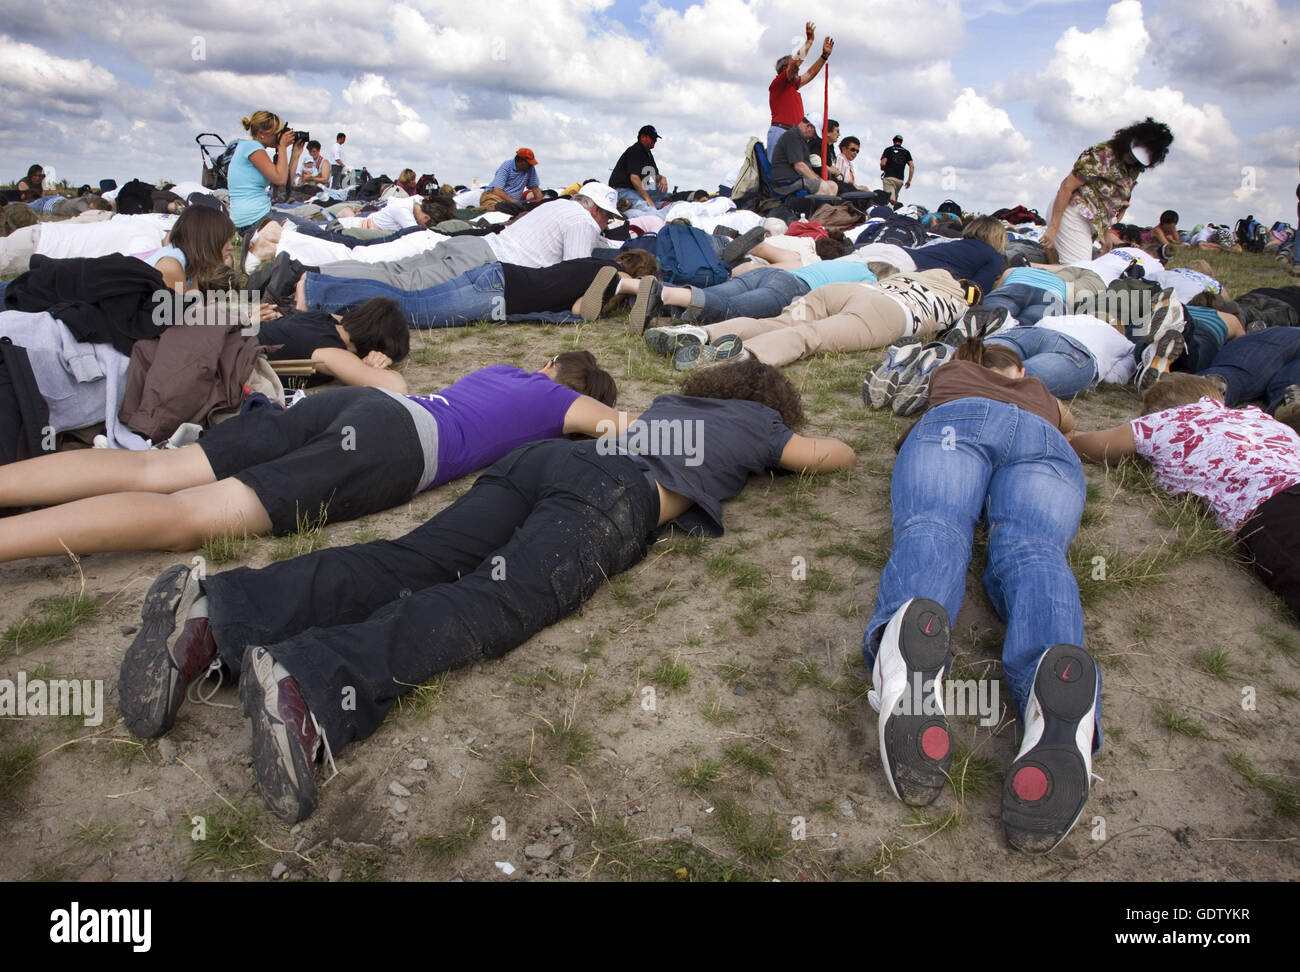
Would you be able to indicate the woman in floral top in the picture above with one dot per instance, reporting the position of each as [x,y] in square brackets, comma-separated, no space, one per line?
[1243,463]
[1096,193]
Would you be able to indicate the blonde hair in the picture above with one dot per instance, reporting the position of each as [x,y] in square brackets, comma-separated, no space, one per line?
[988,230]
[261,121]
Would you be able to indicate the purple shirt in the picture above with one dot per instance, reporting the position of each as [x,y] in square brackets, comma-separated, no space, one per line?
[492,412]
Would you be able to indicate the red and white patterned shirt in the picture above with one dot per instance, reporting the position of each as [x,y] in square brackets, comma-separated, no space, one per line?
[1233,458]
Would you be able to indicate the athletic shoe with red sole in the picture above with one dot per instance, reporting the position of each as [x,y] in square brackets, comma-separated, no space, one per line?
[915,746]
[1047,786]
[286,737]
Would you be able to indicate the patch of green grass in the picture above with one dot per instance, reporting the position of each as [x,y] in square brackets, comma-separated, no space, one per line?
[545,675]
[49,619]
[755,606]
[17,767]
[722,565]
[364,866]
[700,777]
[747,577]
[308,538]
[715,713]
[572,744]
[95,835]
[1213,661]
[733,674]
[1174,722]
[442,847]
[1283,642]
[971,774]
[877,865]
[744,758]
[1284,793]
[688,545]
[1286,692]
[765,843]
[807,672]
[869,549]
[670,674]
[124,752]
[519,772]
[620,854]
[366,535]
[226,549]
[423,698]
[609,702]
[595,647]
[230,842]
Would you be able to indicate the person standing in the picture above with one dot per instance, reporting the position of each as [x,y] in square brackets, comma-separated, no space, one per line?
[783,93]
[893,161]
[1095,193]
[337,164]
[636,175]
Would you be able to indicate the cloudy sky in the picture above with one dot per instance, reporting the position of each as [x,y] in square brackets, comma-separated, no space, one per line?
[995,98]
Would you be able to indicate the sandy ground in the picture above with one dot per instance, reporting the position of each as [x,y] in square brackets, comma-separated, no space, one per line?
[705,715]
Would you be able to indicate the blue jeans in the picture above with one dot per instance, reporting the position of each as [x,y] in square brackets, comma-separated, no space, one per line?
[1026,304]
[1065,366]
[1259,365]
[974,458]
[476,295]
[760,293]
[639,207]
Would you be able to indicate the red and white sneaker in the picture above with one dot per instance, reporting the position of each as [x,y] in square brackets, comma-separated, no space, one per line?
[1047,785]
[915,746]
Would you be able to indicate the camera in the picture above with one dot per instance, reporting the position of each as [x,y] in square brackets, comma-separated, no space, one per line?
[297,136]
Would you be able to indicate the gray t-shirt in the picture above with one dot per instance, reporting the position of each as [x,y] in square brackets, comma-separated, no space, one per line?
[706,449]
[790,148]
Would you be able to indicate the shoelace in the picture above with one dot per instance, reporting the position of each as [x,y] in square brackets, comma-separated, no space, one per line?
[195,691]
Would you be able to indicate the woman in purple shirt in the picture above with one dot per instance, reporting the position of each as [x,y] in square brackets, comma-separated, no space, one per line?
[338,455]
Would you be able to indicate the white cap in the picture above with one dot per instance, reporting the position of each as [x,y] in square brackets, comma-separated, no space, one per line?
[1142,154]
[602,195]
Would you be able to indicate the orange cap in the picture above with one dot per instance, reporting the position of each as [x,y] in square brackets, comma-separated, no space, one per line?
[527,155]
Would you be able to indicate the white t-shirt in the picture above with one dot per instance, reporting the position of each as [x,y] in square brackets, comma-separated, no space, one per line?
[398,214]
[1110,349]
[558,230]
[186,189]
[1110,265]
[315,252]
[335,154]
[1186,283]
[1233,458]
[804,246]
[127,234]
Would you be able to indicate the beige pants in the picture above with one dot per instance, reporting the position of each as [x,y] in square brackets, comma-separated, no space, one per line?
[837,317]
[892,186]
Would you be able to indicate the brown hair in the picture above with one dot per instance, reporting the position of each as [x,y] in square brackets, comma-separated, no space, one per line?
[639,263]
[833,246]
[261,121]
[580,371]
[407,175]
[201,233]
[1178,388]
[987,230]
[752,381]
[438,208]
[378,325]
[989,356]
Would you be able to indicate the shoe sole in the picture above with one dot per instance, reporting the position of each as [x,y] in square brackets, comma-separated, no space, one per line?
[662,341]
[879,388]
[694,355]
[146,684]
[916,749]
[739,248]
[1046,788]
[1169,347]
[640,315]
[1162,312]
[290,792]
[594,297]
[913,392]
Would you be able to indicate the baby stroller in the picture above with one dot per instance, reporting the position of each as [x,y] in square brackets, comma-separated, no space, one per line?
[216,159]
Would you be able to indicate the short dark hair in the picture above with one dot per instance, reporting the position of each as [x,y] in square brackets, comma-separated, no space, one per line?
[378,325]
[580,371]
[850,140]
[1169,216]
[344,135]
[438,208]
[1154,135]
[831,123]
[313,144]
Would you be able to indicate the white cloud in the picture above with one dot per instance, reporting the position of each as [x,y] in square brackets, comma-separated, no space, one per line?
[1249,45]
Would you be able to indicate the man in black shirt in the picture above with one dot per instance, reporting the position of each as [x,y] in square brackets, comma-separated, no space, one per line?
[892,162]
[791,170]
[815,147]
[636,176]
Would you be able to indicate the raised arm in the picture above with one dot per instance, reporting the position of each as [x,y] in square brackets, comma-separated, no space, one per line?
[827,46]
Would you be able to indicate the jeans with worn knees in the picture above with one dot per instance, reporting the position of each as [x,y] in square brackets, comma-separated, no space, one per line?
[764,292]
[1061,363]
[476,295]
[974,459]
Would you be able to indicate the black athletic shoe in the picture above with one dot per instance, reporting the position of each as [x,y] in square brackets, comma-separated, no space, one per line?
[286,738]
[1047,785]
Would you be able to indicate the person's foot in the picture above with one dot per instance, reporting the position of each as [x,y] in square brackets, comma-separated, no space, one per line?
[1047,786]
[170,651]
[726,348]
[913,392]
[286,738]
[915,747]
[736,250]
[883,380]
[982,322]
[649,293]
[1157,357]
[594,298]
[666,340]
[1289,411]
[1166,314]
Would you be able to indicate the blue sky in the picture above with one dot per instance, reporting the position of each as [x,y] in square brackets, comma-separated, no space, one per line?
[995,97]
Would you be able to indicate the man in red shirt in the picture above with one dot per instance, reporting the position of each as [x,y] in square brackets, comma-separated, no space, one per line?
[783,93]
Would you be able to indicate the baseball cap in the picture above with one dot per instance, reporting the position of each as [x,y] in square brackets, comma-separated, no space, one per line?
[527,155]
[1142,154]
[648,130]
[602,195]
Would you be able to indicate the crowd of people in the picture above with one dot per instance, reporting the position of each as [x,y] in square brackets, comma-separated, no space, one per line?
[990,324]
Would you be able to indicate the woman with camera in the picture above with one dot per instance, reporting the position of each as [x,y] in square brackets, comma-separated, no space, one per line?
[252,169]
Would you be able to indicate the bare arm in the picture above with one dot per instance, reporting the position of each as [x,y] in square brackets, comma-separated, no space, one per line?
[911,170]
[1067,417]
[586,416]
[827,46]
[1070,183]
[816,454]
[173,273]
[1106,445]
[346,367]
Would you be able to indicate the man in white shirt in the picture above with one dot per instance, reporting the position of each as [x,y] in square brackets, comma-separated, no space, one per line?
[563,229]
[337,164]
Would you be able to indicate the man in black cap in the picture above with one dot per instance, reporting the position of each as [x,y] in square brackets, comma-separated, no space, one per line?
[636,176]
[892,162]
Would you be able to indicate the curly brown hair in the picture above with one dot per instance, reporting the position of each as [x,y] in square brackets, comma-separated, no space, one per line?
[749,380]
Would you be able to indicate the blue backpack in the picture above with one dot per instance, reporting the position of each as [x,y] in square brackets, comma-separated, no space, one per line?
[687,257]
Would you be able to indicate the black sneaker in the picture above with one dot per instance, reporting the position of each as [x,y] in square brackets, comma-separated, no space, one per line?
[915,746]
[649,292]
[170,651]
[736,250]
[287,741]
[1047,785]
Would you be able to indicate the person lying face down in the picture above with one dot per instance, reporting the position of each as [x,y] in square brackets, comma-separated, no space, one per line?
[335,456]
[533,539]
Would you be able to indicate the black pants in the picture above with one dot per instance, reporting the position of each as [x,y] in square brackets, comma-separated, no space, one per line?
[1271,536]
[357,626]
